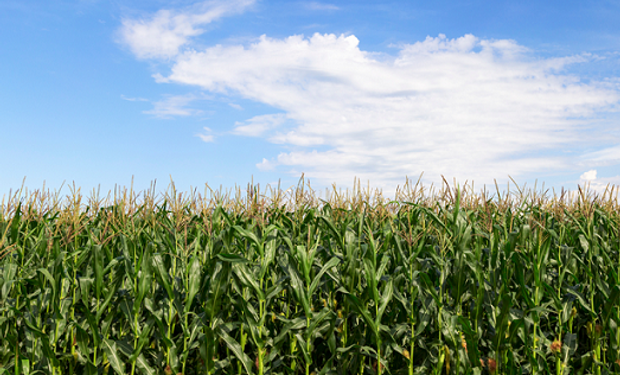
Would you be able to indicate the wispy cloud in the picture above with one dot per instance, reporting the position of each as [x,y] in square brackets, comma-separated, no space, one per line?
[172,106]
[467,107]
[314,5]
[134,99]
[164,33]
[258,125]
[606,156]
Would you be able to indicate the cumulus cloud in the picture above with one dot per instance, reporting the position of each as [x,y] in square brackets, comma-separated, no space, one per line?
[164,33]
[265,165]
[588,176]
[468,108]
[602,185]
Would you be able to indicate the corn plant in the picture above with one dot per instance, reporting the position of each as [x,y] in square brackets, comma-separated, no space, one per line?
[441,281]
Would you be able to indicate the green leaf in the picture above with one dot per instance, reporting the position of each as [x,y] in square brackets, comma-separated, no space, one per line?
[194,330]
[49,277]
[111,293]
[430,287]
[570,341]
[314,330]
[294,325]
[334,231]
[143,339]
[98,266]
[247,279]
[143,365]
[302,345]
[274,291]
[194,281]
[250,236]
[471,338]
[145,280]
[305,262]
[113,356]
[86,284]
[270,247]
[361,309]
[45,342]
[232,258]
[584,243]
[94,327]
[218,286]
[371,279]
[330,264]
[15,222]
[236,349]
[163,275]
[25,366]
[299,291]
[82,341]
[429,212]
[582,301]
[386,297]
[611,302]
[502,320]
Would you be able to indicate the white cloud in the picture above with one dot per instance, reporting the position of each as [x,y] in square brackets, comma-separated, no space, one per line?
[265,165]
[589,175]
[320,6]
[467,108]
[258,125]
[206,137]
[134,99]
[174,106]
[606,156]
[163,34]
[603,185]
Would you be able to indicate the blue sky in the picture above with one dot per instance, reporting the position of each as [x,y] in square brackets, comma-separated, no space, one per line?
[97,92]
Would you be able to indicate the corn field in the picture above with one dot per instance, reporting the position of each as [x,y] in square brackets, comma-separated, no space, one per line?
[435,281]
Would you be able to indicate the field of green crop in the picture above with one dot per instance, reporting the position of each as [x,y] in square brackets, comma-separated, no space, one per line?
[444,281]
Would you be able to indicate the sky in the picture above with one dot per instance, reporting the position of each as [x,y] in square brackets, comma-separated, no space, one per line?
[98,93]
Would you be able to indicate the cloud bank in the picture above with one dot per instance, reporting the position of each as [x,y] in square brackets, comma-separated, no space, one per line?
[467,107]
[470,108]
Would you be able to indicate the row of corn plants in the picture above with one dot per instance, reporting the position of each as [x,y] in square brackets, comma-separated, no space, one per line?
[432,282]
